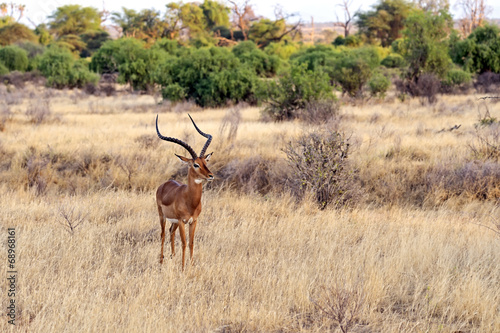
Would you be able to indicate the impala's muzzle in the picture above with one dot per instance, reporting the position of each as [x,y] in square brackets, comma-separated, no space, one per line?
[210,177]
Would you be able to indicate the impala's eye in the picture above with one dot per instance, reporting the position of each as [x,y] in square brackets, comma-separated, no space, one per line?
[196,165]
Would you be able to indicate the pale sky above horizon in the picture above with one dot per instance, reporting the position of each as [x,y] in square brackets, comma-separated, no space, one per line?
[322,10]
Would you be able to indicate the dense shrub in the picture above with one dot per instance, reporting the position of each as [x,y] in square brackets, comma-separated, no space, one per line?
[378,85]
[14,58]
[211,77]
[62,70]
[480,51]
[487,82]
[393,60]
[455,78]
[426,86]
[3,70]
[135,64]
[283,49]
[294,90]
[351,74]
[320,57]
[263,64]
[320,165]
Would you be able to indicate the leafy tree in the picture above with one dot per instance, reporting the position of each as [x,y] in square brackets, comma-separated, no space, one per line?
[216,14]
[385,22]
[266,31]
[425,47]
[145,25]
[44,35]
[74,20]
[352,73]
[14,33]
[14,58]
[479,52]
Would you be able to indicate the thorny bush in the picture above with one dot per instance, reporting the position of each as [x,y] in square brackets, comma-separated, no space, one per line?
[319,162]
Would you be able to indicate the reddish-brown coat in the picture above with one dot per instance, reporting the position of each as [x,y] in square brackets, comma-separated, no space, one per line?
[182,202]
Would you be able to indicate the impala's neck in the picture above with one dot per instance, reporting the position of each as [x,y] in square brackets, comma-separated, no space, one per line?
[194,187]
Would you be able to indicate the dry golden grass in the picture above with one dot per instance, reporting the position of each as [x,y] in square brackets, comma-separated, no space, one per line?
[259,260]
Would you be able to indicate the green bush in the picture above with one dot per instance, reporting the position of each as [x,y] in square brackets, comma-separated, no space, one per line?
[135,64]
[3,70]
[479,52]
[14,58]
[294,90]
[62,70]
[456,78]
[378,85]
[393,61]
[351,74]
[263,64]
[211,77]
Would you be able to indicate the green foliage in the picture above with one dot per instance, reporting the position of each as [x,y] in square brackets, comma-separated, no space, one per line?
[351,41]
[216,14]
[14,58]
[244,47]
[93,41]
[170,46]
[62,70]
[135,64]
[33,51]
[393,60]
[265,31]
[320,56]
[43,34]
[425,47]
[283,49]
[146,25]
[456,78]
[263,64]
[174,92]
[294,90]
[74,20]
[480,51]
[385,21]
[16,32]
[354,68]
[3,70]
[211,77]
[378,85]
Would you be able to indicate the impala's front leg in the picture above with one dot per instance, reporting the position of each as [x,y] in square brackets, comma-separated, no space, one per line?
[192,228]
[183,241]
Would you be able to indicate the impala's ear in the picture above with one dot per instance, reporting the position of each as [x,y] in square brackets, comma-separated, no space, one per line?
[207,157]
[183,159]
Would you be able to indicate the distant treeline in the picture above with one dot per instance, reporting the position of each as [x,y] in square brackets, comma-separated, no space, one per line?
[213,54]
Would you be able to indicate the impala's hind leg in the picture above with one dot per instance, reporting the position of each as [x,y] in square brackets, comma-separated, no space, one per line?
[173,227]
[162,224]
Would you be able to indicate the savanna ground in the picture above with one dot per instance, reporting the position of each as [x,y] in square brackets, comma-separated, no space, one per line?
[418,252]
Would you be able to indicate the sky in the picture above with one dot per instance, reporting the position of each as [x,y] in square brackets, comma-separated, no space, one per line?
[322,10]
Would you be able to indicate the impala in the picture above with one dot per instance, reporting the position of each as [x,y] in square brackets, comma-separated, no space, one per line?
[181,203]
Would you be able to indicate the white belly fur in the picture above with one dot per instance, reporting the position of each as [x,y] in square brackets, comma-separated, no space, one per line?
[172,220]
